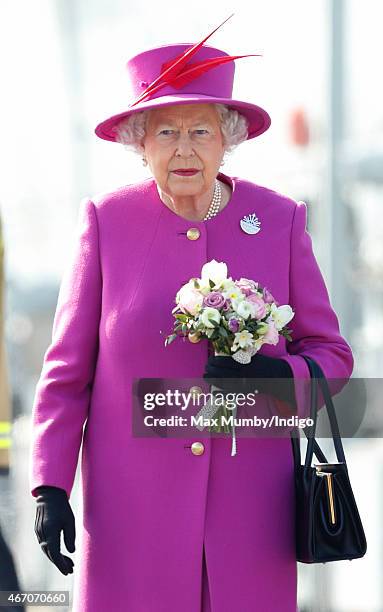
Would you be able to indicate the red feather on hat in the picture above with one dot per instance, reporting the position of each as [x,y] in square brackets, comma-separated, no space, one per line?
[194,70]
[178,72]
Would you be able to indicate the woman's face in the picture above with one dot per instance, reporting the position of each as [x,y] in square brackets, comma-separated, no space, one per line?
[184,137]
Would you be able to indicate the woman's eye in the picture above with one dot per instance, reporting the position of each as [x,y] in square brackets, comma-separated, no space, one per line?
[166,132]
[201,131]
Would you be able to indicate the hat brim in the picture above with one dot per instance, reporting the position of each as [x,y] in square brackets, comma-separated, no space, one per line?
[259,119]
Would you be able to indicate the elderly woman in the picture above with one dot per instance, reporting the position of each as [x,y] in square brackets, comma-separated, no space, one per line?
[174,524]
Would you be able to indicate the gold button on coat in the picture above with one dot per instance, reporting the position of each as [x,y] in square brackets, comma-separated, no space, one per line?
[195,391]
[197,448]
[193,233]
[194,337]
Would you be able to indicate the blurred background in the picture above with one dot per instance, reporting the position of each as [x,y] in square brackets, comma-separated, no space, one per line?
[63,71]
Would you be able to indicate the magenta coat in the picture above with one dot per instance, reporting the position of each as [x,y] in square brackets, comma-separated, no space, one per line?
[152,508]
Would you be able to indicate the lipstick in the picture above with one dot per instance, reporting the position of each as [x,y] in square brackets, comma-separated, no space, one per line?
[185,172]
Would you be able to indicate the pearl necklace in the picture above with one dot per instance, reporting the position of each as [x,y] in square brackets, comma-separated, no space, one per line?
[215,203]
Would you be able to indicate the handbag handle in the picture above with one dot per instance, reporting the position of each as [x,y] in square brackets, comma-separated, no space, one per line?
[318,377]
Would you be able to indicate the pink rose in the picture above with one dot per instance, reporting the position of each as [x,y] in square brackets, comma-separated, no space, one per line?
[246,286]
[268,298]
[246,282]
[259,304]
[226,305]
[190,299]
[246,290]
[272,335]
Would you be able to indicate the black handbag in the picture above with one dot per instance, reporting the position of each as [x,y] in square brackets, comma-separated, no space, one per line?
[327,522]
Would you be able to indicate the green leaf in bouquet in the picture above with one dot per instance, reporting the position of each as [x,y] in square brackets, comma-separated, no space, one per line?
[213,336]
[222,347]
[252,326]
[170,339]
[182,317]
[215,323]
[199,327]
[286,333]
[211,283]
[223,332]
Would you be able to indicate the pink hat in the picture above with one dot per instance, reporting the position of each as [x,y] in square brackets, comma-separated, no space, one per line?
[164,76]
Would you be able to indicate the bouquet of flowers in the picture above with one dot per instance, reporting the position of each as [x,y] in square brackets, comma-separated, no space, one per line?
[236,316]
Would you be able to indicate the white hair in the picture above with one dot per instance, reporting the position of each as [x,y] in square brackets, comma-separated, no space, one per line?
[130,131]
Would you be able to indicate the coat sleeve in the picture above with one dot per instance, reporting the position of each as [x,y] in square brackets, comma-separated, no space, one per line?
[315,326]
[63,391]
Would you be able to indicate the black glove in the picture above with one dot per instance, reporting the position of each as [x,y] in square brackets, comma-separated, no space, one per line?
[54,514]
[228,374]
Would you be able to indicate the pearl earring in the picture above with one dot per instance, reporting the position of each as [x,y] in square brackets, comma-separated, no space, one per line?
[144,161]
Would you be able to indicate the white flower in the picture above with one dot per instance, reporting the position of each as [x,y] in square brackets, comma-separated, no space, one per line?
[281,315]
[189,298]
[244,308]
[228,284]
[210,313]
[242,339]
[215,271]
[204,286]
[231,291]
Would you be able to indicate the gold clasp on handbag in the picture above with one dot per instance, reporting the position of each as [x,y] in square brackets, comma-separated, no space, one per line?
[330,491]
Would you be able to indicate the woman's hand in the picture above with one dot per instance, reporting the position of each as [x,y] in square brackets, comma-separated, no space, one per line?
[53,514]
[228,374]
